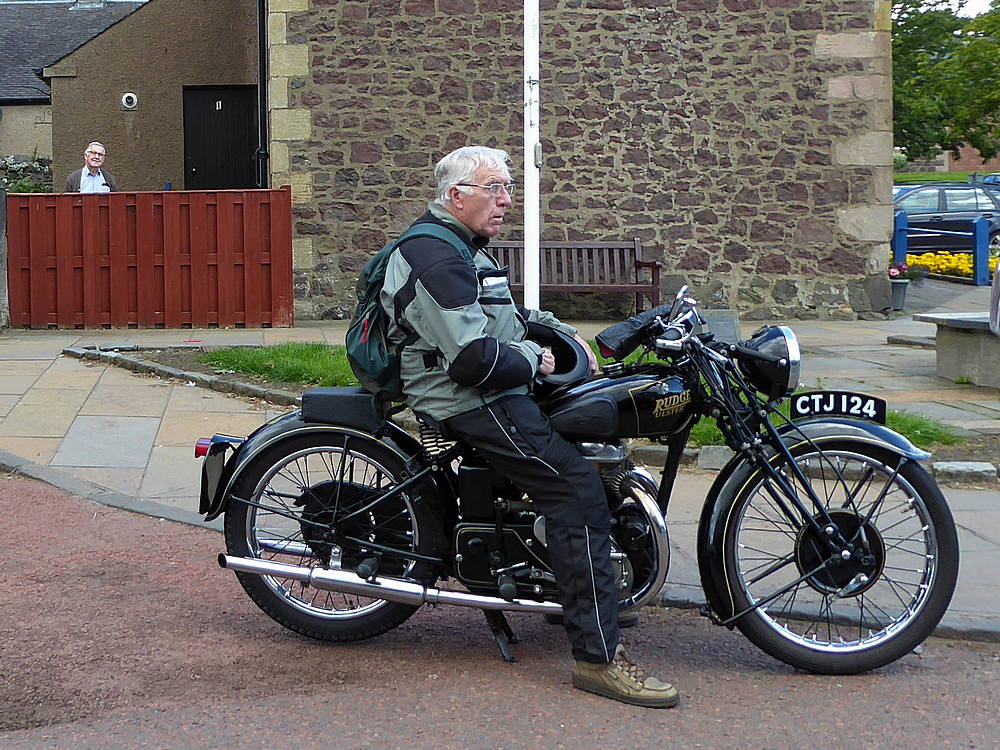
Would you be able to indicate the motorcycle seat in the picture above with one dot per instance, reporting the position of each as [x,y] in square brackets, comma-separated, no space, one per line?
[351,406]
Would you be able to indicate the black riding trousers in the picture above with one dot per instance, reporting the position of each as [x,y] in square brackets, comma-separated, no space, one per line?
[516,438]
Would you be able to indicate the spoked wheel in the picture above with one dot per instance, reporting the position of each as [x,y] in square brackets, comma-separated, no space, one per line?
[853,607]
[298,491]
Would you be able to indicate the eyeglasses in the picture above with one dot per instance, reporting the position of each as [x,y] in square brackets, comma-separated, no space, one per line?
[494,190]
[96,153]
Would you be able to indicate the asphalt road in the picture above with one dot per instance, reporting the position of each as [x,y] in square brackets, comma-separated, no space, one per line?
[119,631]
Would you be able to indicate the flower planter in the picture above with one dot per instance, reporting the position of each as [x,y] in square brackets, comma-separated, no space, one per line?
[899,292]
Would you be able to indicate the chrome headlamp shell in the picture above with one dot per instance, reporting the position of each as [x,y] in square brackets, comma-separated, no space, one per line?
[779,375]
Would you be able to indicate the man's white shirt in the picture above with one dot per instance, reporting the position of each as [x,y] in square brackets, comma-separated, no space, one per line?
[93,183]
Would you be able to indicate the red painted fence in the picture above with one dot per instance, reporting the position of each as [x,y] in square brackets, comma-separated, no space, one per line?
[175,259]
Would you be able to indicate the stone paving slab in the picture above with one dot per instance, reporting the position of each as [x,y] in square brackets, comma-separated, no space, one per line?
[942,412]
[34,348]
[7,402]
[178,427]
[957,394]
[33,367]
[37,449]
[79,377]
[172,472]
[70,398]
[16,384]
[38,420]
[116,442]
[184,398]
[114,399]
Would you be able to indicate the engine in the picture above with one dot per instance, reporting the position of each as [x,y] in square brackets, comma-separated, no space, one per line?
[500,538]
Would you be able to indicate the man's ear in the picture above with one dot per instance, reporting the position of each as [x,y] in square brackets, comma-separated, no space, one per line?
[456,196]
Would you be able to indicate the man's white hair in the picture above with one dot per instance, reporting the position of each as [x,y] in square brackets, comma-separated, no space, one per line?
[462,164]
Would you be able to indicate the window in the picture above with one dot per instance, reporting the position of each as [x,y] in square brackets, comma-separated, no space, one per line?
[960,199]
[919,201]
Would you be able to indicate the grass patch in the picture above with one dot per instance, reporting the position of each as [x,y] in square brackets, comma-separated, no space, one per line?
[293,362]
[326,365]
[901,178]
[921,431]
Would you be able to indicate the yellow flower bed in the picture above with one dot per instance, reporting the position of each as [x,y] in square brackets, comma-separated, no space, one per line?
[951,264]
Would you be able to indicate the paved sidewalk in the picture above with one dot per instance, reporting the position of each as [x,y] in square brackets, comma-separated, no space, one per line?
[127,440]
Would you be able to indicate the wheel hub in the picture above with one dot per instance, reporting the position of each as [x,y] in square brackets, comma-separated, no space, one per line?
[320,505]
[857,570]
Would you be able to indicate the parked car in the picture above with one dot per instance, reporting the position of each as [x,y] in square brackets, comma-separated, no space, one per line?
[948,207]
[993,178]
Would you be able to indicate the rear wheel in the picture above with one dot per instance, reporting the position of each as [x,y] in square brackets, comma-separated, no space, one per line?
[300,489]
[842,611]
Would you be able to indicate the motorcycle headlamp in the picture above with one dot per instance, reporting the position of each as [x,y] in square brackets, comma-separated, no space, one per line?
[770,361]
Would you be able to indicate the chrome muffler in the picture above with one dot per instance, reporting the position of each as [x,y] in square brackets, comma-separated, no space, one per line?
[390,589]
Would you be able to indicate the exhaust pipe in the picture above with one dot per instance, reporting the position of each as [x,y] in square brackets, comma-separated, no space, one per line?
[390,589]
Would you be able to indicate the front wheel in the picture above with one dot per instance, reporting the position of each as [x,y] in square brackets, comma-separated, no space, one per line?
[848,610]
[288,499]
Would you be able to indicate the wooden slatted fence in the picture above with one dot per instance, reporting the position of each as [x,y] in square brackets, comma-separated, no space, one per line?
[175,259]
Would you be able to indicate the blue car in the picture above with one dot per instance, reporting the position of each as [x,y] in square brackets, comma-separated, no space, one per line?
[948,207]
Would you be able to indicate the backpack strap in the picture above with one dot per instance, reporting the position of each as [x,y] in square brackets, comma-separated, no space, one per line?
[437,231]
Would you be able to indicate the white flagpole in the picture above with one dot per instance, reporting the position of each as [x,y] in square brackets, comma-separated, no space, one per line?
[532,154]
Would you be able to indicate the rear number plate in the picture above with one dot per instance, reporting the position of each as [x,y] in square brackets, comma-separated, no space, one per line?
[838,403]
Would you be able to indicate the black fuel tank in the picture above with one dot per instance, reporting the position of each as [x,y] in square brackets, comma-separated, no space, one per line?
[642,405]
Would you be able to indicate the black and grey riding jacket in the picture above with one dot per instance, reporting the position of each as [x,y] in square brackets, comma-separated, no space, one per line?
[471,345]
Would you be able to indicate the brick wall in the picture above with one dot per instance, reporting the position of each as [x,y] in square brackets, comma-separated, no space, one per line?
[748,141]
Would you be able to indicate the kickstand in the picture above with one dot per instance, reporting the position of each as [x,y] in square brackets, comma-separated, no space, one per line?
[501,632]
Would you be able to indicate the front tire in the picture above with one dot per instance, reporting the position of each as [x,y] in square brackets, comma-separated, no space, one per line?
[299,488]
[853,615]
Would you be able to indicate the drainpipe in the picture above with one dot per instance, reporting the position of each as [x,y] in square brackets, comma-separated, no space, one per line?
[4,303]
[263,176]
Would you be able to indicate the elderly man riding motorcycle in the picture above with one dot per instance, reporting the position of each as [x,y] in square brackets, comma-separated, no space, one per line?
[467,370]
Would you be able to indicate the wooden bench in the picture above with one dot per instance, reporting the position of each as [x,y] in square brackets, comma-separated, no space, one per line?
[586,267]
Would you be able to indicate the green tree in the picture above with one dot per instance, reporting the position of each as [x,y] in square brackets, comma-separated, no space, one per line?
[972,74]
[925,33]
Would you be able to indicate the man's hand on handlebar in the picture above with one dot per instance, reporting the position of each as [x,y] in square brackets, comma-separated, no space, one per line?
[548,364]
[590,354]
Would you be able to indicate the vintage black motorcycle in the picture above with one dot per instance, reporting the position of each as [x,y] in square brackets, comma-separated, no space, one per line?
[823,539]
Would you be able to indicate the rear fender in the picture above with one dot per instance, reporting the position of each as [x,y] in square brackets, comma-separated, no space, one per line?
[735,474]
[215,494]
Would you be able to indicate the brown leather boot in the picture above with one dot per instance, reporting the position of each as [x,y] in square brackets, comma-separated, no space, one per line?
[623,680]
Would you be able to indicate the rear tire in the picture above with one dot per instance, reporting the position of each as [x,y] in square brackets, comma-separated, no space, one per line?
[299,488]
[858,614]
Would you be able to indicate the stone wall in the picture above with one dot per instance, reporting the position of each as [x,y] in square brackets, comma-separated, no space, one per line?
[748,141]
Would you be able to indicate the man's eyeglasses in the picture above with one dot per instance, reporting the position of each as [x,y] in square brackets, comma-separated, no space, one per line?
[96,153]
[494,190]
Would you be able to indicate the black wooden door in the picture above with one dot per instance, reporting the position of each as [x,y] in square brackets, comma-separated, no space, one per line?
[220,137]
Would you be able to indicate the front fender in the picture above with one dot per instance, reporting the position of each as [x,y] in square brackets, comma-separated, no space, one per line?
[216,484]
[732,477]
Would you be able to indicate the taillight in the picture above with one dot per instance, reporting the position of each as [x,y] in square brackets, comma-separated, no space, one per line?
[201,447]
